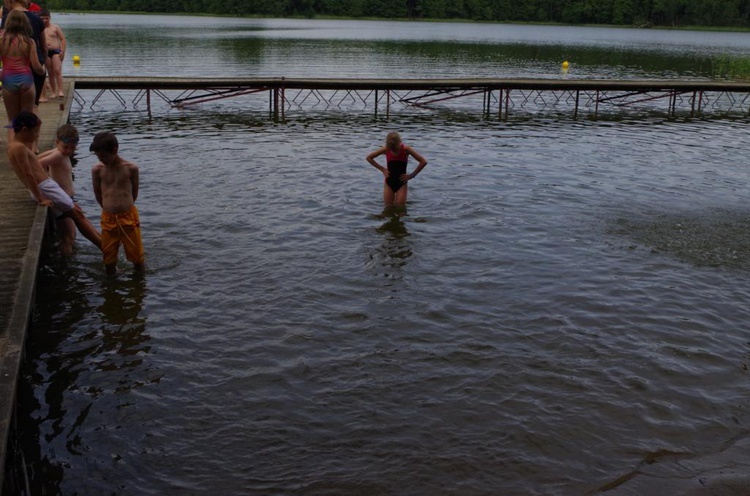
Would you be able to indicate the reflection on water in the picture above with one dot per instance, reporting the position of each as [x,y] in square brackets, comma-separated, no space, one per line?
[124,341]
[72,355]
[394,222]
[320,48]
[395,248]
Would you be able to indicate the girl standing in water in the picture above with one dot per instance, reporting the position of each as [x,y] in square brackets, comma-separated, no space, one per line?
[397,154]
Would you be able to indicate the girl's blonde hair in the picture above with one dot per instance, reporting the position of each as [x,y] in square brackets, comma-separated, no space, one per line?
[17,24]
[392,141]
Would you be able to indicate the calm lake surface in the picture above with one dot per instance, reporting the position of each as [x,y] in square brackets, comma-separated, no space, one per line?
[562,308]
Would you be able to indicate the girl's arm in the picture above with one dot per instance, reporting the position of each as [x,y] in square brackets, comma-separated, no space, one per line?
[374,163]
[422,161]
[38,68]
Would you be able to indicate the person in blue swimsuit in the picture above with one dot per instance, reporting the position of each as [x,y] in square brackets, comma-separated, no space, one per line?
[396,154]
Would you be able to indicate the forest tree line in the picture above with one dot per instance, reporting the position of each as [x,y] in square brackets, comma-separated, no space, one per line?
[670,13]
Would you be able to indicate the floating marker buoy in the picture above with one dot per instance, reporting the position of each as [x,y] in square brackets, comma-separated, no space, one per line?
[76,59]
[565,65]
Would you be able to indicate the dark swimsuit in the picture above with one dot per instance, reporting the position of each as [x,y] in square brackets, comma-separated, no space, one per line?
[396,167]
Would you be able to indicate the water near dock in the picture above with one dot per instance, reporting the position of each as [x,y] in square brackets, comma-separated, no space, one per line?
[562,308]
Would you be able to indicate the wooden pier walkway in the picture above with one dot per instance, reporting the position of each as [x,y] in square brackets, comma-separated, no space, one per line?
[22,224]
[497,98]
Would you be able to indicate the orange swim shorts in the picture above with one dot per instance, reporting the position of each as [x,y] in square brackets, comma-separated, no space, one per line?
[122,229]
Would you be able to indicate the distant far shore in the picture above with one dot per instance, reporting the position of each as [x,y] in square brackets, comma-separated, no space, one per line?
[728,29]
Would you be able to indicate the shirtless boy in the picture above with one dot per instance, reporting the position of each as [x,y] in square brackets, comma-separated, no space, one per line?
[59,167]
[116,183]
[56,45]
[44,189]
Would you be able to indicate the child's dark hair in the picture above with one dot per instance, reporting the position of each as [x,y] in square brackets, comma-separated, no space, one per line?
[44,13]
[104,142]
[68,134]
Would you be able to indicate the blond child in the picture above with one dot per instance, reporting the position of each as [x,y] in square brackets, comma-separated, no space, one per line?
[19,58]
[396,154]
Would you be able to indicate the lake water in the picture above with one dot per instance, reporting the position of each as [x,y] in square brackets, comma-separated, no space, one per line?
[562,308]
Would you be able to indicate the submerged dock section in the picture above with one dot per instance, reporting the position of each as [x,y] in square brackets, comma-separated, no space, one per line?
[499,99]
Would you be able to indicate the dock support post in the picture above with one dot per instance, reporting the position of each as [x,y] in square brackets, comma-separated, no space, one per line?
[283,103]
[148,101]
[376,104]
[575,111]
[596,106]
[387,103]
[500,104]
[692,104]
[507,102]
[275,103]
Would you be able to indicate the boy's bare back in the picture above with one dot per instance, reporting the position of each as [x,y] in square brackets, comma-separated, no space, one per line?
[27,168]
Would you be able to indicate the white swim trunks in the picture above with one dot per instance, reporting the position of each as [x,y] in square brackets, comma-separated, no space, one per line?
[60,199]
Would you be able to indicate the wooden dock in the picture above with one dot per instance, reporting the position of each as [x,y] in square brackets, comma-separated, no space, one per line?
[22,224]
[497,98]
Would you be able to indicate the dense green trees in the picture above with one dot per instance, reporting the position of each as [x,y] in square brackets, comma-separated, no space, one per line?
[734,13]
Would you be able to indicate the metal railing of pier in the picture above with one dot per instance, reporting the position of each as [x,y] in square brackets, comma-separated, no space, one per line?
[500,99]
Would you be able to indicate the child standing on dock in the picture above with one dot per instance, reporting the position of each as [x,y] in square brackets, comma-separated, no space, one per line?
[396,154]
[116,183]
[56,45]
[43,188]
[19,57]
[58,165]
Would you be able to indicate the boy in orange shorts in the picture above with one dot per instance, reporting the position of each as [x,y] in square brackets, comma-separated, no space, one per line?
[116,189]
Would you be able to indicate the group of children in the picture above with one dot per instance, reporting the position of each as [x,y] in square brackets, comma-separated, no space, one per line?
[49,179]
[30,47]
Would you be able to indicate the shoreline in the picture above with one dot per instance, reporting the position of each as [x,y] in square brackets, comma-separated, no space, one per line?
[720,29]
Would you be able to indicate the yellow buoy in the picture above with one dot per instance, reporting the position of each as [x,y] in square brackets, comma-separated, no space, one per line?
[76,59]
[565,65]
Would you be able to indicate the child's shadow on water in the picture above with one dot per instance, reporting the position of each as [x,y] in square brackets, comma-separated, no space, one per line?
[395,250]
[394,224]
